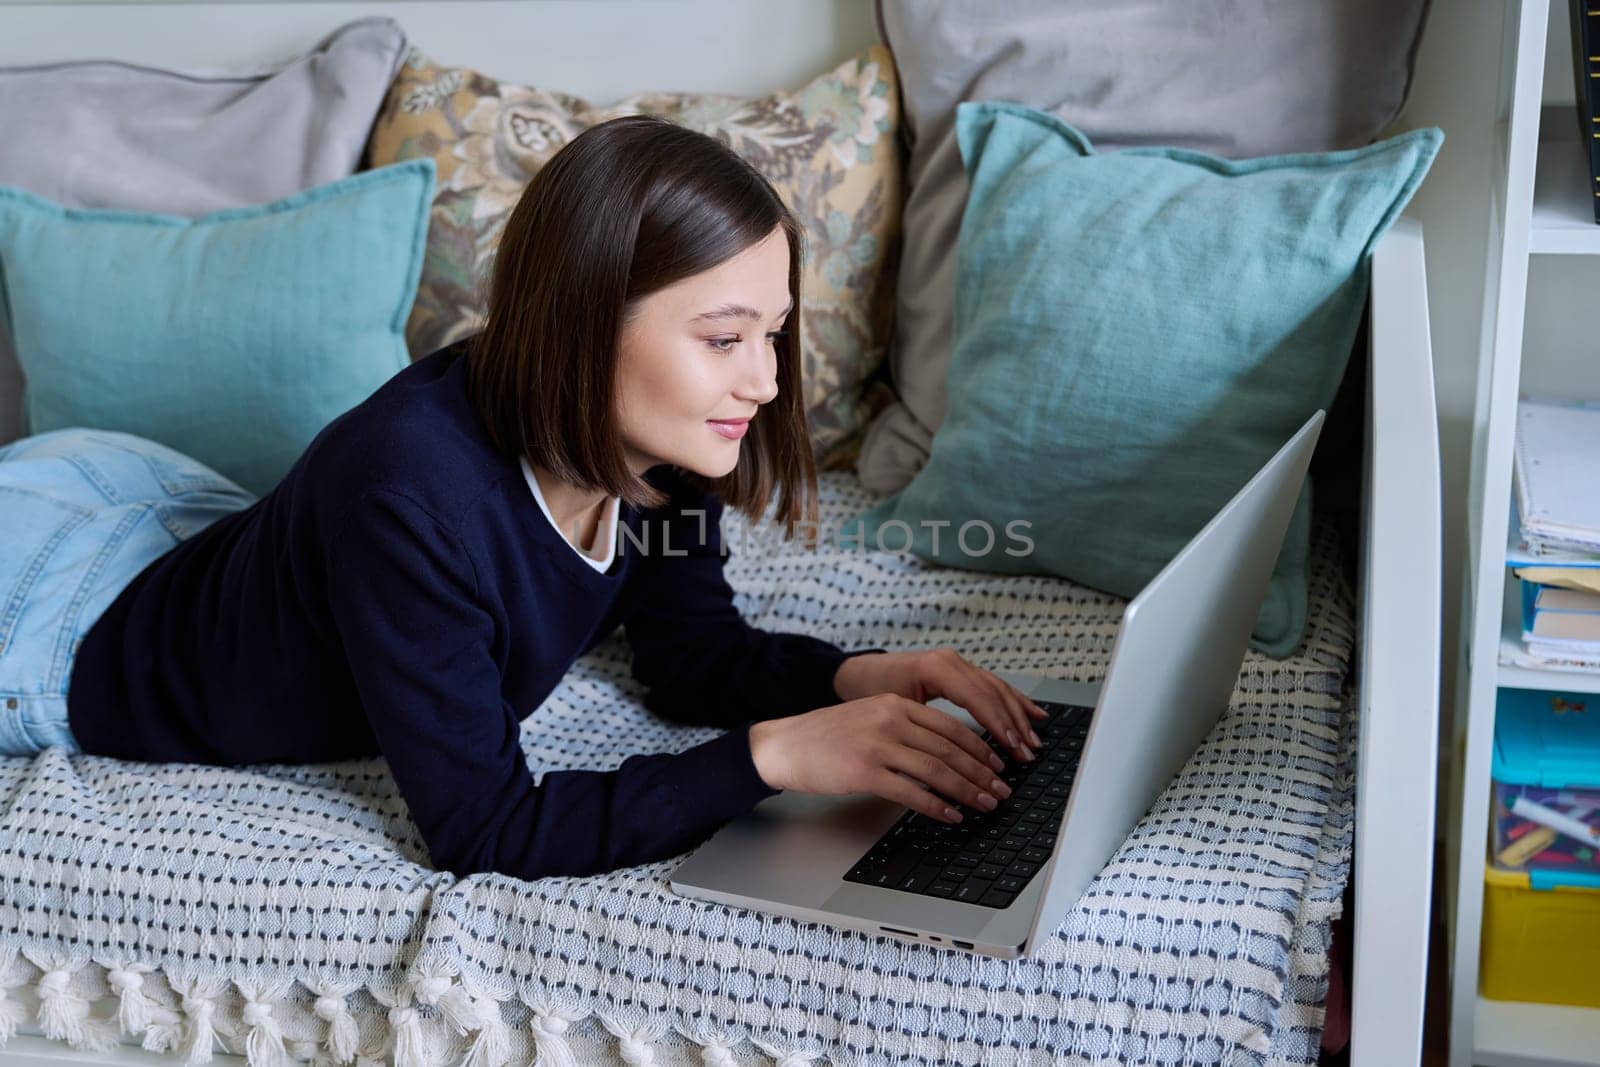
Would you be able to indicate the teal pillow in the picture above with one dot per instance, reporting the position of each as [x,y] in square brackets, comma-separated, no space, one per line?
[1135,334]
[233,337]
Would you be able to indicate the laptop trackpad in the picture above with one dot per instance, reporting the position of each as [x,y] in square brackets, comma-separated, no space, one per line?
[792,848]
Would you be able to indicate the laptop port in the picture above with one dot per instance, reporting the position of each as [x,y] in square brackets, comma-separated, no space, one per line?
[961,944]
[905,933]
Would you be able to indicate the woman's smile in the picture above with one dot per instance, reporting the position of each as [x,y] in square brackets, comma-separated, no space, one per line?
[733,429]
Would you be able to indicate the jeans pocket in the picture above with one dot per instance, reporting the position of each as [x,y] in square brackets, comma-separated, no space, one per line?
[35,526]
[181,475]
[188,515]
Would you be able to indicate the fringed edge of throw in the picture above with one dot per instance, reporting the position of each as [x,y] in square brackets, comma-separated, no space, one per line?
[462,1017]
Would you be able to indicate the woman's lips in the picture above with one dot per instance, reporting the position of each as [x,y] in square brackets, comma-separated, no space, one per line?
[731,430]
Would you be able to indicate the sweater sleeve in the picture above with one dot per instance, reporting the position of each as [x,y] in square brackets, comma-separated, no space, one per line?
[703,662]
[419,641]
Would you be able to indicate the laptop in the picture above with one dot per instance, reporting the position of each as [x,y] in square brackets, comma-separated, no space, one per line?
[1000,882]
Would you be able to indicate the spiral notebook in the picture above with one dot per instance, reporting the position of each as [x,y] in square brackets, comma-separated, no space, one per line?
[1557,475]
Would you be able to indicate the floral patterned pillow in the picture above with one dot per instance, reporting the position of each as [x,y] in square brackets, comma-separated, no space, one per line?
[830,148]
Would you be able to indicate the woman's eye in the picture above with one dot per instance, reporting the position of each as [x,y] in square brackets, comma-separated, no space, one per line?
[775,334]
[722,344]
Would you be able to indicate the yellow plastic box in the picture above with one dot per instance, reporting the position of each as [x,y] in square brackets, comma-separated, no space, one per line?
[1539,944]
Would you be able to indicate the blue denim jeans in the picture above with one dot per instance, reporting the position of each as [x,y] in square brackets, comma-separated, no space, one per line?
[82,513]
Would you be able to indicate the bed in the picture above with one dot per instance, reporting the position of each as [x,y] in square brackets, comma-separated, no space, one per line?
[1205,939]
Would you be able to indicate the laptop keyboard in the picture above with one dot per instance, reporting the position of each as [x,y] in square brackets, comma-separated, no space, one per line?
[988,857]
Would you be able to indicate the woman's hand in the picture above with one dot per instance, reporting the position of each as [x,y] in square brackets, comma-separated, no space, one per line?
[857,746]
[941,672]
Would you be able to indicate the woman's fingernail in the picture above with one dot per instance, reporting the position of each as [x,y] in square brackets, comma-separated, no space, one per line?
[952,814]
[1000,787]
[1034,738]
[996,762]
[1011,735]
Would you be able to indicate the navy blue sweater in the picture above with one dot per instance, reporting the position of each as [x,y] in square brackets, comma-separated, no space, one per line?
[399,593]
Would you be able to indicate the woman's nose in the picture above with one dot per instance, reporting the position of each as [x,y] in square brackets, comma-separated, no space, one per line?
[762,385]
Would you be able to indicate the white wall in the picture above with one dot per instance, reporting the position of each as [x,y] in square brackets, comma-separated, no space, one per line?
[734,46]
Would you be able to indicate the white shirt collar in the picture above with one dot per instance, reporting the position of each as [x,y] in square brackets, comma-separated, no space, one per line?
[608,522]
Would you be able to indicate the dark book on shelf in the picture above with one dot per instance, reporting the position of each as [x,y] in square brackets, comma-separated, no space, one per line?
[1586,75]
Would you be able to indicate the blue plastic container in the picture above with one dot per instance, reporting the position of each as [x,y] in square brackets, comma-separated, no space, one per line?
[1546,771]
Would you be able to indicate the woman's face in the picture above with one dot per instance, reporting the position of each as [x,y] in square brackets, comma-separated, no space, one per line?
[700,354]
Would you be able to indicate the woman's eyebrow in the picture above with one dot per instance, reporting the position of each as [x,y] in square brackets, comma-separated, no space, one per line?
[737,311]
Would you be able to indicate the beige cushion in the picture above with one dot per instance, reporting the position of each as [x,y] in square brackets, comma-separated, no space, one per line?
[830,148]
[1237,79]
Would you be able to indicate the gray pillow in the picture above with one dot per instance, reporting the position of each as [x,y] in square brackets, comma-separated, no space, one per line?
[109,134]
[1234,78]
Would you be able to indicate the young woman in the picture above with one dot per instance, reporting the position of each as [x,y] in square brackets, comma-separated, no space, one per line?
[440,554]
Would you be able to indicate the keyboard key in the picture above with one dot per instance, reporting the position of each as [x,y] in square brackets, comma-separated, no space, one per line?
[972,889]
[989,870]
[1023,869]
[1010,884]
[918,880]
[896,867]
[1034,855]
[997,898]
[943,888]
[962,859]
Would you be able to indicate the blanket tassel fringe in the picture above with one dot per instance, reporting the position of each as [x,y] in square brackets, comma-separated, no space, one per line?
[196,1032]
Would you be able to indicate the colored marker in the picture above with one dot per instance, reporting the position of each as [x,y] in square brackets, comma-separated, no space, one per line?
[1562,823]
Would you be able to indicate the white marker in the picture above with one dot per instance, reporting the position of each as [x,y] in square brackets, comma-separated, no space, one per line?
[1566,824]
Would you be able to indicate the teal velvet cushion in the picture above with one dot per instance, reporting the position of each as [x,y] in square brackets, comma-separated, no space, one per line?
[1135,334]
[233,337]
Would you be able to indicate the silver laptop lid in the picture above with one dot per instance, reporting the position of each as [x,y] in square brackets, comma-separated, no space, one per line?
[1171,674]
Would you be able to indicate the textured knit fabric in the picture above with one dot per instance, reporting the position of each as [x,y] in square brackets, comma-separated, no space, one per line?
[399,594]
[244,908]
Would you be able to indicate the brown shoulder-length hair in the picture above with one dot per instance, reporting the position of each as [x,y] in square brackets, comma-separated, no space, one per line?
[628,207]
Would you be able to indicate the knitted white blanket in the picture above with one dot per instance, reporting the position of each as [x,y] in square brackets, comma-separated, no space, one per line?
[287,911]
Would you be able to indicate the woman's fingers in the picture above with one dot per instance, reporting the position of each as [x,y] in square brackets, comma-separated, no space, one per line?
[955,732]
[934,755]
[905,791]
[950,787]
[1016,704]
[965,685]
[993,704]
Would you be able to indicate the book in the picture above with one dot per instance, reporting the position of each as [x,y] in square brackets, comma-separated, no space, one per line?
[1560,629]
[1556,471]
[1585,16]
[1560,621]
[1519,554]
[1585,578]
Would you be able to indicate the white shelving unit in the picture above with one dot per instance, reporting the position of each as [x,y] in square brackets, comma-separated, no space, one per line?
[1541,207]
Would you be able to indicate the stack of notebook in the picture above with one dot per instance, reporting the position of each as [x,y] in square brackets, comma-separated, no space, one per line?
[1554,545]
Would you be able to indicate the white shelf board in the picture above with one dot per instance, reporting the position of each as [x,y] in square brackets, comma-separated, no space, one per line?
[1509,1033]
[1563,204]
[1534,677]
